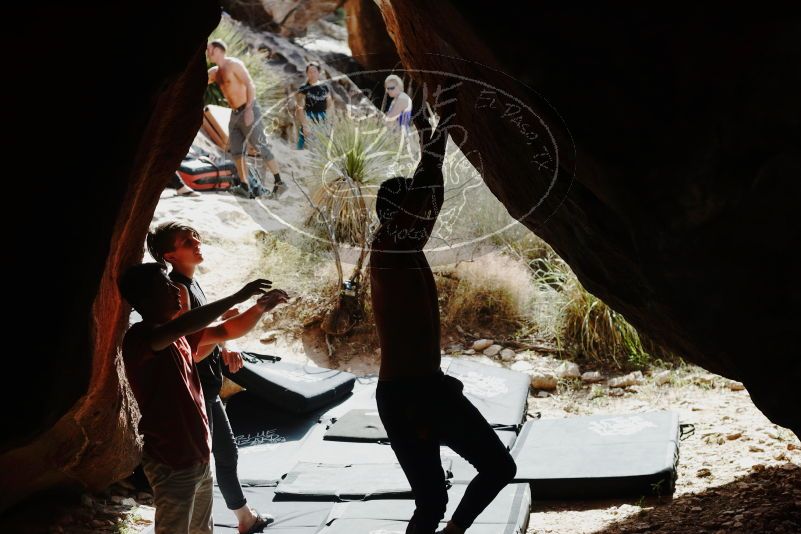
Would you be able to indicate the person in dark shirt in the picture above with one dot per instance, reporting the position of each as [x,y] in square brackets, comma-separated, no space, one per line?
[420,406]
[159,356]
[313,101]
[179,245]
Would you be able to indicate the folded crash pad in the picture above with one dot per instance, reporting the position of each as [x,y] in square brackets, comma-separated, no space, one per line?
[215,124]
[205,175]
[294,387]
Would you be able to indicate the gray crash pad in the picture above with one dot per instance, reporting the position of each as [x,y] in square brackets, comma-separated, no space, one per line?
[599,456]
[362,398]
[294,387]
[268,438]
[380,526]
[510,508]
[364,425]
[360,425]
[462,472]
[319,450]
[288,514]
[500,394]
[344,482]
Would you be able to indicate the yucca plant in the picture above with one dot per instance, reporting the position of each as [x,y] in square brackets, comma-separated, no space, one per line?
[349,158]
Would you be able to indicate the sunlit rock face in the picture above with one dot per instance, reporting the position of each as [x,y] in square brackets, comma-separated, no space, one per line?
[289,18]
[656,149]
[110,99]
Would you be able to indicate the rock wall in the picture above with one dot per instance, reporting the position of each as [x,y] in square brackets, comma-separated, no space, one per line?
[288,18]
[656,149]
[371,47]
[109,100]
[368,39]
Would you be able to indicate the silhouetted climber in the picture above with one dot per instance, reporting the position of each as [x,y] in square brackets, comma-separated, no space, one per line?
[419,406]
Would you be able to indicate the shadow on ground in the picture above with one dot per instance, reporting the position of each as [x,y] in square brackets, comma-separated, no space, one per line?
[765,501]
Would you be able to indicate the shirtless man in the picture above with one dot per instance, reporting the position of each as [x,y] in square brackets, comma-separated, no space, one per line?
[234,80]
[419,406]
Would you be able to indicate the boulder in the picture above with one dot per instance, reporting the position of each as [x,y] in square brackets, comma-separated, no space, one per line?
[568,370]
[544,381]
[591,377]
[648,159]
[492,350]
[482,344]
[289,18]
[508,355]
[662,377]
[631,379]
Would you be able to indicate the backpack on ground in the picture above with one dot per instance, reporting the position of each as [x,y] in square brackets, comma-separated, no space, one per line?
[202,174]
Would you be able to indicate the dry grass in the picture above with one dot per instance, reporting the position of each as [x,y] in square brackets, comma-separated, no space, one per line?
[589,330]
[492,294]
[593,331]
[305,272]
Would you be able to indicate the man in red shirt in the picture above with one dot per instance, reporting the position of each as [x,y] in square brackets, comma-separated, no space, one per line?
[159,364]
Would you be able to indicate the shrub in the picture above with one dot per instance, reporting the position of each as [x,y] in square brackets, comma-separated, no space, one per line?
[590,330]
[302,271]
[492,294]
